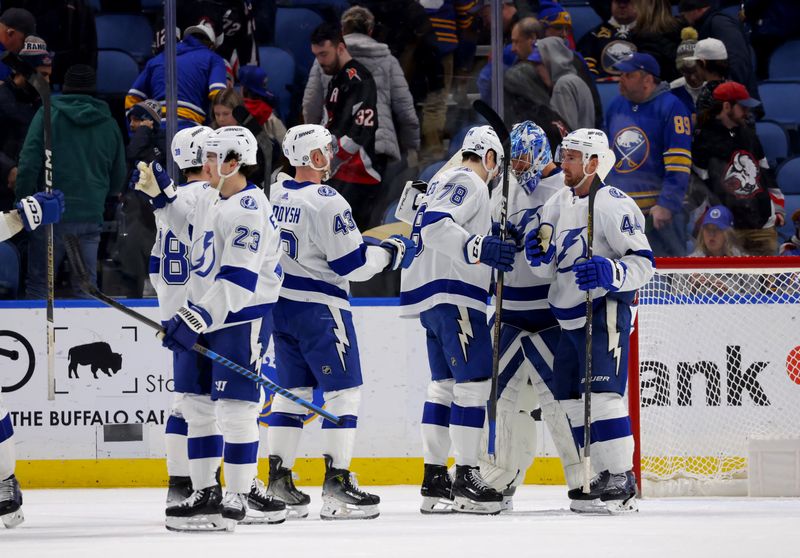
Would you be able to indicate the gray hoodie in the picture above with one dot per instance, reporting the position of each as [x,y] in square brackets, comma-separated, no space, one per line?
[398,125]
[571,97]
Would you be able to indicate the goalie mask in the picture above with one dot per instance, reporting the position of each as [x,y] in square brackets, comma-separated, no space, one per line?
[231,140]
[530,153]
[301,141]
[187,146]
[480,140]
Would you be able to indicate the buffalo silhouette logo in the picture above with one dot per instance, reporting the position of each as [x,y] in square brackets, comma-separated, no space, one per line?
[97,355]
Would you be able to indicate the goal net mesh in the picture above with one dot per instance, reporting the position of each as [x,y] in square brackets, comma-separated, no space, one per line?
[719,365]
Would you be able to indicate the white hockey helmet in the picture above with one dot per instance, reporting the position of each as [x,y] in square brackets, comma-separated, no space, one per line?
[187,146]
[231,140]
[301,141]
[479,140]
[591,143]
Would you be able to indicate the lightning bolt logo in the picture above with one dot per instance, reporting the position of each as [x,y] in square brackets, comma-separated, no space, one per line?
[464,330]
[342,342]
[569,239]
[613,333]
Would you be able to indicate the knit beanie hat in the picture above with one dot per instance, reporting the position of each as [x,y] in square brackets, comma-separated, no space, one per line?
[686,47]
[80,78]
[149,108]
[34,52]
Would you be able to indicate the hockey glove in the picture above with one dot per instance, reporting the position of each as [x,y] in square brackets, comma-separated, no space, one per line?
[184,328]
[41,209]
[401,250]
[534,251]
[599,272]
[512,233]
[490,250]
[154,182]
[412,195]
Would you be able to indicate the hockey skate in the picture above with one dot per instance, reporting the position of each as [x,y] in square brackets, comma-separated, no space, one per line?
[437,490]
[508,498]
[201,511]
[343,499]
[261,507]
[11,502]
[281,487]
[619,494]
[581,502]
[178,490]
[471,494]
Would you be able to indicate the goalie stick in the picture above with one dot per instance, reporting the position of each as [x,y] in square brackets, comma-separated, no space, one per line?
[500,129]
[78,267]
[42,87]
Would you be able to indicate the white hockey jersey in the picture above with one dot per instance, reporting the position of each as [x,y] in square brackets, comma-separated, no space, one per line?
[234,255]
[618,235]
[455,207]
[322,248]
[169,258]
[10,224]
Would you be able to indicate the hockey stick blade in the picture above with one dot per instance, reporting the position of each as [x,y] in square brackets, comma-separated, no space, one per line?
[79,268]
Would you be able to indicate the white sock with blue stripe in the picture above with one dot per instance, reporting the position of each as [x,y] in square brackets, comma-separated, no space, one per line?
[286,421]
[435,424]
[204,440]
[467,417]
[238,421]
[611,436]
[8,455]
[176,443]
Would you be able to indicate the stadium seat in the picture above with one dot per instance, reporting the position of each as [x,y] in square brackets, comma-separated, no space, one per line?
[293,28]
[787,230]
[783,64]
[127,32]
[774,140]
[788,176]
[584,19]
[608,91]
[9,271]
[116,72]
[780,102]
[430,170]
[279,67]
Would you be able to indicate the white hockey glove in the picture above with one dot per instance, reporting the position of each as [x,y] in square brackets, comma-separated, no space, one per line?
[154,182]
[410,198]
[401,249]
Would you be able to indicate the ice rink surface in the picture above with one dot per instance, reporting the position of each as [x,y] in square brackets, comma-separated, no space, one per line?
[116,523]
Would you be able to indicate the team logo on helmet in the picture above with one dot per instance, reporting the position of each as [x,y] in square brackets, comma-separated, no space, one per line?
[632,148]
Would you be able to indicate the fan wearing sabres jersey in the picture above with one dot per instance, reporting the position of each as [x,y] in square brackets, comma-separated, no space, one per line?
[621,263]
[315,342]
[447,287]
[233,282]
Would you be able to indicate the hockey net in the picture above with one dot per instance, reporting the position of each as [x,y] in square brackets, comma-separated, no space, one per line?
[715,362]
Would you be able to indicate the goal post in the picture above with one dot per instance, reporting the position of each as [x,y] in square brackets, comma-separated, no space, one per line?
[714,371]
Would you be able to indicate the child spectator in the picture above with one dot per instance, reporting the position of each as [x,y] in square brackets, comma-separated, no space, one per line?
[792,248]
[716,236]
[147,139]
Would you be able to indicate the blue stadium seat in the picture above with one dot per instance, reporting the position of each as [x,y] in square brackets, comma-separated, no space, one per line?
[116,72]
[584,19]
[128,32]
[774,140]
[780,102]
[788,176]
[608,91]
[152,5]
[430,170]
[293,28]
[783,64]
[279,67]
[9,271]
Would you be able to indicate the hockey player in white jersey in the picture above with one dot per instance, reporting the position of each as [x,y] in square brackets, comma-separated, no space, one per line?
[233,283]
[39,209]
[529,332]
[315,342]
[621,262]
[447,287]
[169,273]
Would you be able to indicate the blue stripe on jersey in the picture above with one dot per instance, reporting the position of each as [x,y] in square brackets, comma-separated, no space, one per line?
[290,420]
[154,265]
[206,446]
[525,294]
[643,253]
[241,454]
[238,276]
[349,262]
[177,425]
[203,313]
[430,217]
[249,313]
[472,417]
[449,286]
[296,283]
[436,413]
[348,421]
[577,311]
[293,185]
[6,430]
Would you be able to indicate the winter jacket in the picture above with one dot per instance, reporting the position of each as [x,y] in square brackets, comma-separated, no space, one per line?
[17,107]
[571,97]
[88,156]
[398,125]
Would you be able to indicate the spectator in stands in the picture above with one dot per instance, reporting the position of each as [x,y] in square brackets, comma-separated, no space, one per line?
[712,23]
[15,25]
[201,76]
[351,104]
[609,42]
[88,166]
[18,103]
[712,69]
[147,137]
[556,22]
[651,135]
[772,23]
[792,248]
[524,34]
[398,131]
[657,33]
[728,157]
[688,87]
[569,95]
[716,237]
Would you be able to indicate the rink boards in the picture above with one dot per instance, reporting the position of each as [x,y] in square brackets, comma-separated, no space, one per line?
[114,391]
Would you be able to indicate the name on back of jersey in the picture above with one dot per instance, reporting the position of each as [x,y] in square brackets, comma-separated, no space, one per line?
[286,214]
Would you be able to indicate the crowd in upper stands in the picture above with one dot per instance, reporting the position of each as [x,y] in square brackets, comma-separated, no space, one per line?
[698,98]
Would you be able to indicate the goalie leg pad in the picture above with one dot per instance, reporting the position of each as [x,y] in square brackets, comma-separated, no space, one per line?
[286,425]
[339,439]
[467,417]
[204,444]
[239,423]
[436,422]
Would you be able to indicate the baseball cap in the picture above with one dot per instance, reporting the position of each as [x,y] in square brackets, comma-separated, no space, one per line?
[720,216]
[552,13]
[20,19]
[255,79]
[205,30]
[709,49]
[34,52]
[639,61]
[734,92]
[149,108]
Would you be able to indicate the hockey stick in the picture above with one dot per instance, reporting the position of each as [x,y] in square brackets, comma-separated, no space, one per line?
[587,373]
[42,87]
[500,129]
[78,267]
